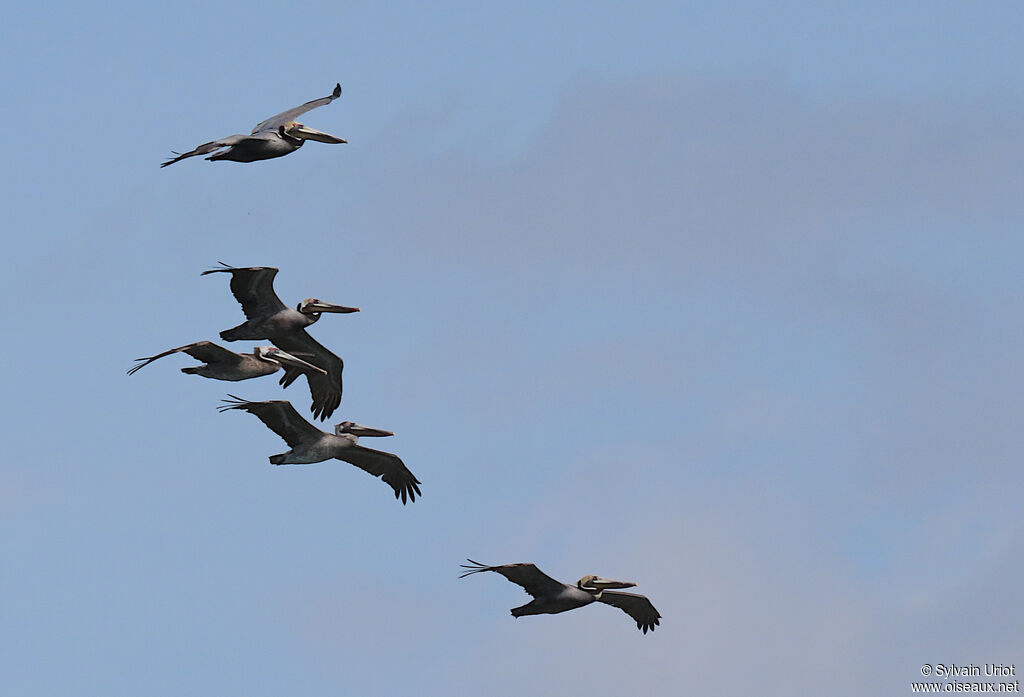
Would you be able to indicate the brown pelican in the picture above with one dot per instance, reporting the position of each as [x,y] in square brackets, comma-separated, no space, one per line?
[269,318]
[224,364]
[309,444]
[277,136]
[551,597]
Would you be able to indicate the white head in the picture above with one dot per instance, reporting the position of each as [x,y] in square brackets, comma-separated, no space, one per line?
[314,306]
[596,584]
[351,428]
[294,129]
[276,355]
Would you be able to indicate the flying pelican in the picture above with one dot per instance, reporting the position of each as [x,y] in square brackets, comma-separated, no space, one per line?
[224,364]
[551,597]
[269,318]
[309,444]
[277,136]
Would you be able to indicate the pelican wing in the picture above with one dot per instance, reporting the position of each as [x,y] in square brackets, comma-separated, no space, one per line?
[388,467]
[536,582]
[636,606]
[280,417]
[253,287]
[206,148]
[324,389]
[284,117]
[205,351]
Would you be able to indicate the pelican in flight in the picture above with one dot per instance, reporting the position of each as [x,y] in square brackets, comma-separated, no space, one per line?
[223,364]
[277,136]
[551,597]
[268,318]
[309,444]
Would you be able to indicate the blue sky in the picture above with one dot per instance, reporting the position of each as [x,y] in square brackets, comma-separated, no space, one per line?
[723,300]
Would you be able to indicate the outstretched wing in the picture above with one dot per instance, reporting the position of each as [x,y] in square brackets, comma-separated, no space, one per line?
[280,417]
[536,582]
[388,467]
[325,389]
[207,148]
[284,117]
[636,606]
[253,287]
[205,351]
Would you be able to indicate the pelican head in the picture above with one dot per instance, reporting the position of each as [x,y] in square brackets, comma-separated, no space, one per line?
[313,306]
[596,583]
[294,129]
[272,353]
[357,430]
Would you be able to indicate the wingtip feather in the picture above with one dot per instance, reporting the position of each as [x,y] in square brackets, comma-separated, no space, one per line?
[475,569]
[223,268]
[233,402]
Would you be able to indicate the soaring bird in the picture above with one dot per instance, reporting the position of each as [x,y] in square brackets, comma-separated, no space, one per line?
[279,135]
[268,318]
[309,444]
[223,364]
[551,597]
